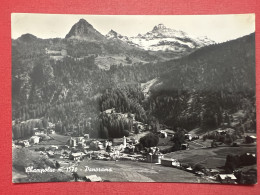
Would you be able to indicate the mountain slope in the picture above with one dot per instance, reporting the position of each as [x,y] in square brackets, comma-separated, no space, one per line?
[202,89]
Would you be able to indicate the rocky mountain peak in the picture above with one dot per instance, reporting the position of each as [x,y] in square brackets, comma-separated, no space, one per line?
[158,27]
[84,30]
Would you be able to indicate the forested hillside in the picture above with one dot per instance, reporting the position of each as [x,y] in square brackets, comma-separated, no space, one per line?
[201,88]
[59,80]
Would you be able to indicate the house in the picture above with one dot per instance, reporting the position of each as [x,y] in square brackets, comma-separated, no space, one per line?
[170,133]
[169,162]
[35,139]
[73,142]
[50,154]
[250,139]
[92,178]
[76,156]
[213,172]
[185,146]
[163,134]
[227,178]
[53,147]
[154,158]
[86,136]
[96,145]
[26,143]
[110,111]
[51,125]
[221,132]
[52,131]
[188,136]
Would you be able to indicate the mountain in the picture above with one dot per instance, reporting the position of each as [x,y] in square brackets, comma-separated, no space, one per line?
[72,80]
[198,90]
[82,30]
[161,38]
[227,66]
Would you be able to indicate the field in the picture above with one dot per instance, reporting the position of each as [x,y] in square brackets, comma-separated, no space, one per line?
[209,157]
[138,172]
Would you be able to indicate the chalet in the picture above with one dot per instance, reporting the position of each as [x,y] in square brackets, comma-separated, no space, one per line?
[227,178]
[35,139]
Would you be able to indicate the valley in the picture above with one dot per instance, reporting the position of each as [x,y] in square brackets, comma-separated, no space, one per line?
[163,106]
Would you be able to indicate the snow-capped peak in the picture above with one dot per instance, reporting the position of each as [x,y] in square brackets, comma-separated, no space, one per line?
[164,39]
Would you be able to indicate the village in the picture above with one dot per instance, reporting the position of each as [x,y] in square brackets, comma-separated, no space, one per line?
[67,152]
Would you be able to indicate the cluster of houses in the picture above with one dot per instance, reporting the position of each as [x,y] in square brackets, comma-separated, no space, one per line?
[38,136]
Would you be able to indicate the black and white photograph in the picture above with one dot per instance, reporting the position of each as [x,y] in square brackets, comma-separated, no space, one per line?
[133,98]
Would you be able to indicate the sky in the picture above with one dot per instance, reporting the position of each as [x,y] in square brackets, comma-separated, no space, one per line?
[219,28]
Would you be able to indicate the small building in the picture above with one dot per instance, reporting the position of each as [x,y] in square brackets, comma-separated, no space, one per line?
[51,131]
[35,139]
[227,178]
[76,156]
[73,142]
[26,143]
[184,146]
[170,133]
[250,139]
[53,147]
[110,111]
[213,172]
[221,132]
[92,178]
[188,136]
[96,145]
[169,162]
[163,134]
[86,136]
[154,158]
[50,154]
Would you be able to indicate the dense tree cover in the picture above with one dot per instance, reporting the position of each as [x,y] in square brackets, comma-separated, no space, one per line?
[113,125]
[26,129]
[235,161]
[149,140]
[178,139]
